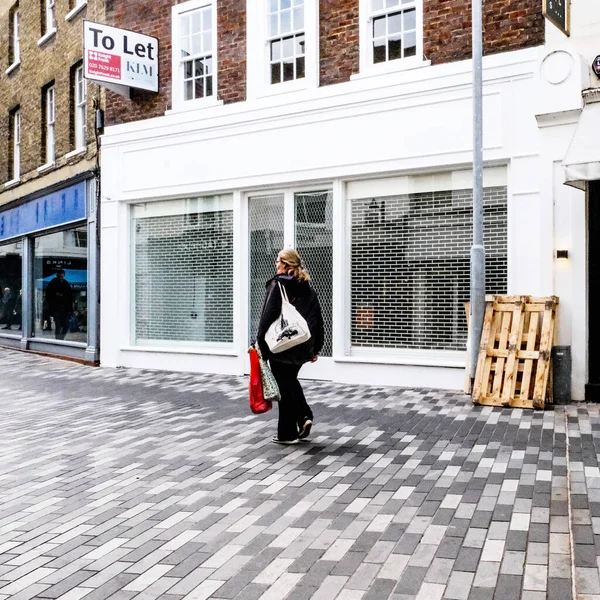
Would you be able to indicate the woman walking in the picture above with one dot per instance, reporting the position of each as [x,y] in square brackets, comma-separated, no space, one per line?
[295,415]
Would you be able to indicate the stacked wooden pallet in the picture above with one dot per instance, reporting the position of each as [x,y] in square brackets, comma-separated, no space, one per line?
[514,364]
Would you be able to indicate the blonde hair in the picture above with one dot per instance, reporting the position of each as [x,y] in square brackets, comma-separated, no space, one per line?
[292,263]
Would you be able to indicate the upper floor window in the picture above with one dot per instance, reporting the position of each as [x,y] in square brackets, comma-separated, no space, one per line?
[14,48]
[391,33]
[15,143]
[194,51]
[286,40]
[48,17]
[79,108]
[283,52]
[49,121]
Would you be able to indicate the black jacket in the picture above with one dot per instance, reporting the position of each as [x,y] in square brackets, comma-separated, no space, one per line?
[306,302]
[59,296]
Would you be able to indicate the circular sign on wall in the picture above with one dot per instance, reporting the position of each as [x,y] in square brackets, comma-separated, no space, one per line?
[596,66]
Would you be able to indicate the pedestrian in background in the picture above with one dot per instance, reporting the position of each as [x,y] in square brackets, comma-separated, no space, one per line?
[59,296]
[295,415]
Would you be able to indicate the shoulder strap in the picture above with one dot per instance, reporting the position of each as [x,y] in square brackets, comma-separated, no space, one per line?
[284,296]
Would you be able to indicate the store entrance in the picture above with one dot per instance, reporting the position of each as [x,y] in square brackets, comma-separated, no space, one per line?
[300,220]
[592,389]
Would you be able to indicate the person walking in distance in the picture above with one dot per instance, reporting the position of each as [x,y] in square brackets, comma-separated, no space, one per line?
[295,415]
[59,296]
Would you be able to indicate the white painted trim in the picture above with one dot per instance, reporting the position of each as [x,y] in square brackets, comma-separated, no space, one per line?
[406,64]
[227,350]
[12,67]
[257,64]
[179,104]
[73,13]
[340,297]
[12,183]
[76,152]
[46,167]
[367,68]
[47,36]
[435,358]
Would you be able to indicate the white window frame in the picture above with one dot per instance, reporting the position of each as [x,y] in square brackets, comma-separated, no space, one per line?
[79,6]
[50,16]
[50,123]
[16,41]
[179,103]
[80,109]
[367,66]
[16,135]
[258,51]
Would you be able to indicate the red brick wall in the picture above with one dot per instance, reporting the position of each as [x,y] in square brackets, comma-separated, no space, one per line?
[338,40]
[150,18]
[231,50]
[508,25]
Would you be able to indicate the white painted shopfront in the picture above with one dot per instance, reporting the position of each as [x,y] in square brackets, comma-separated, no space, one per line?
[370,179]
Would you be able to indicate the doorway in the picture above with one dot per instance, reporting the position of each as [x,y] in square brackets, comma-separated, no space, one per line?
[294,219]
[592,389]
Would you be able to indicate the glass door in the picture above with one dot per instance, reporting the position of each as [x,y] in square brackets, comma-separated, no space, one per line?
[301,220]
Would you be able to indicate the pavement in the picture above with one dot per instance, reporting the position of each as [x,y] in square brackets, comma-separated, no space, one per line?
[122,483]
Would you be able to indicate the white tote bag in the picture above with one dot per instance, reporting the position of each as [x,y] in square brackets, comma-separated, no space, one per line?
[289,329]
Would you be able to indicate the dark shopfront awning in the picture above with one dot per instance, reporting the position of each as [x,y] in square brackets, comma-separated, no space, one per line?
[582,162]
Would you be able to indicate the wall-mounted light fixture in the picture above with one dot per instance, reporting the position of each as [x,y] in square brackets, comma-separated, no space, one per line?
[562,255]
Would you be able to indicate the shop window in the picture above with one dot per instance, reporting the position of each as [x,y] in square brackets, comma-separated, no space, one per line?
[410,262]
[183,272]
[11,307]
[60,286]
[194,51]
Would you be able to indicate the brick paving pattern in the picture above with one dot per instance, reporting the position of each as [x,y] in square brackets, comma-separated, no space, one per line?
[121,483]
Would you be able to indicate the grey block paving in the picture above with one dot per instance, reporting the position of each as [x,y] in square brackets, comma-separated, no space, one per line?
[123,483]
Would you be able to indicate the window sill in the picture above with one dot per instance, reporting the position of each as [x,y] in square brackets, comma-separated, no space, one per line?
[76,11]
[214,351]
[12,67]
[390,68]
[418,358]
[186,106]
[281,89]
[12,183]
[46,167]
[76,152]
[46,37]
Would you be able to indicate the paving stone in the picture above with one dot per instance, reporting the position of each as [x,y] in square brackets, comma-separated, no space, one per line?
[163,485]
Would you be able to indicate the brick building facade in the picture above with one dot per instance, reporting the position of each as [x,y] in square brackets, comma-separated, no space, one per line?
[508,25]
[48,173]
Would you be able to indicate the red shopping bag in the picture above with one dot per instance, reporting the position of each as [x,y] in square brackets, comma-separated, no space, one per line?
[258,404]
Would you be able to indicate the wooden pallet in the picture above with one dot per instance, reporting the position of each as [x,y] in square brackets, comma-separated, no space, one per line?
[514,363]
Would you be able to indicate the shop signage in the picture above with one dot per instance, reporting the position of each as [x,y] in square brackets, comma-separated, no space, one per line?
[121,57]
[557,11]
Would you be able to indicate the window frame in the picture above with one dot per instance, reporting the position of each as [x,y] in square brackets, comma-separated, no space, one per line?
[50,16]
[15,133]
[367,65]
[179,103]
[258,43]
[80,108]
[49,107]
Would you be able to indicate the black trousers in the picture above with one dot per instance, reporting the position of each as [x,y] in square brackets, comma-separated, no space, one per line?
[61,324]
[293,408]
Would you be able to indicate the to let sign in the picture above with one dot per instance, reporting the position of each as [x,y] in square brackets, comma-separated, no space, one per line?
[121,57]
[557,11]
